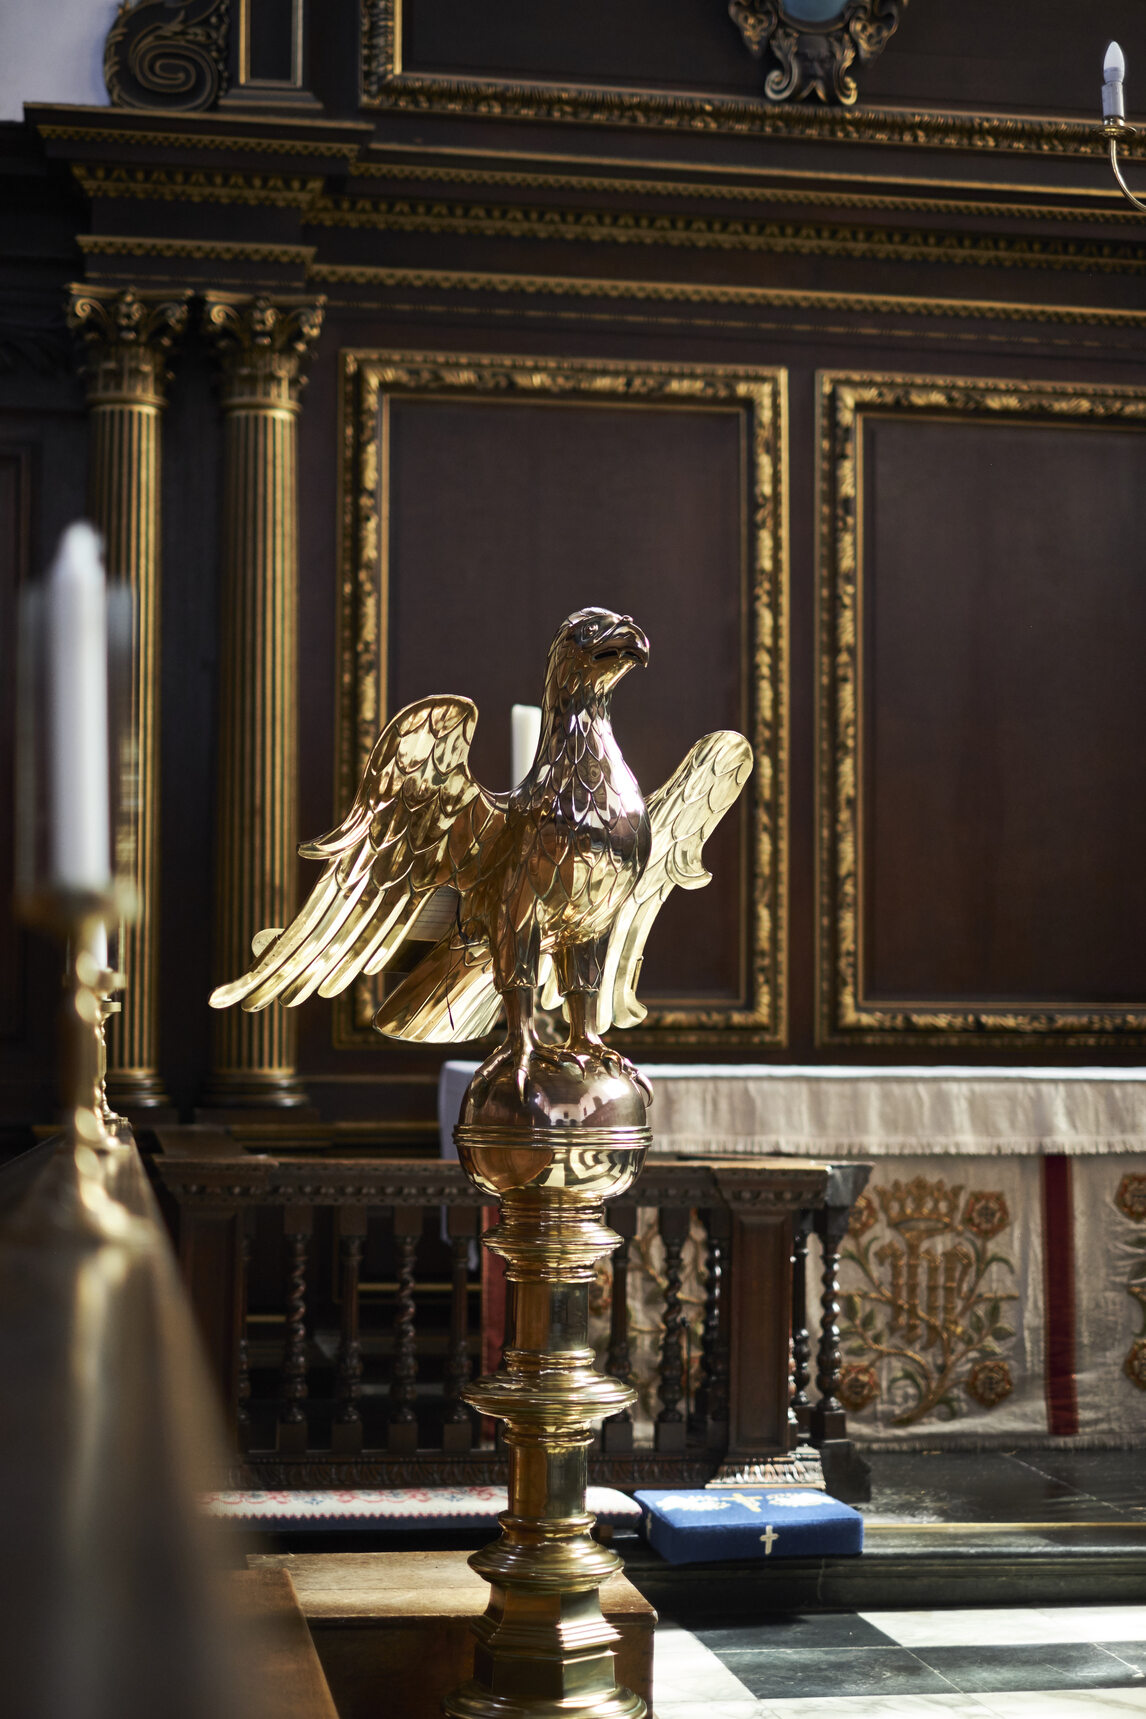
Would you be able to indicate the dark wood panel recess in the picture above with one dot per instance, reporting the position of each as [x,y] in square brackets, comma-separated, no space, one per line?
[504,517]
[1005,712]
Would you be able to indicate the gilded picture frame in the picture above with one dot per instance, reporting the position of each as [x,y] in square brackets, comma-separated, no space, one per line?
[370,381]
[846,1013]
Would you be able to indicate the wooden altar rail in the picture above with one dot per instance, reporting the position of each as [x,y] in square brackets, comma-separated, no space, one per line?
[109,1591]
[278,1253]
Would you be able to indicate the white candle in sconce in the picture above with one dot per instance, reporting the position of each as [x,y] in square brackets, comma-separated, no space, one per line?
[525,722]
[1113,74]
[77,729]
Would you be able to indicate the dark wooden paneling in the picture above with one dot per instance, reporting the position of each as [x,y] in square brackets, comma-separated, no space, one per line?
[1004,764]
[507,516]
[684,43]
[973,53]
[762,1316]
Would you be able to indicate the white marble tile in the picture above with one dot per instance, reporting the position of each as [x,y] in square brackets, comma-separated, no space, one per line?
[1098,1623]
[904,1706]
[1066,1704]
[685,1671]
[991,1627]
[707,1709]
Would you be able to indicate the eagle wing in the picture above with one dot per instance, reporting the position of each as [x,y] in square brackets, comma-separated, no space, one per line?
[419,825]
[683,814]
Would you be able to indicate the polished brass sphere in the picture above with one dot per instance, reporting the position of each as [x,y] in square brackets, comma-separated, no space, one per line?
[557,1093]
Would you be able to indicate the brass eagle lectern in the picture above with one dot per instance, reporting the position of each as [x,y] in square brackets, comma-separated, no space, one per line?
[549,889]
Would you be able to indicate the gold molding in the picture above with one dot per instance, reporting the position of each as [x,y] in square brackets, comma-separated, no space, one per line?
[1104,207]
[198,185]
[386,84]
[680,292]
[370,379]
[730,233]
[198,250]
[113,137]
[845,1014]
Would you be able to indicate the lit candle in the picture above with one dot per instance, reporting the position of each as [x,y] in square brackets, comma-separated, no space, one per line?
[77,712]
[1113,72]
[526,732]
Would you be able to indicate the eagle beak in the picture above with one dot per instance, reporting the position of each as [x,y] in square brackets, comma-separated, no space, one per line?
[625,642]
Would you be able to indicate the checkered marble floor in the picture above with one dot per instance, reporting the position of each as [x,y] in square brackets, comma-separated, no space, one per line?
[1047,1662]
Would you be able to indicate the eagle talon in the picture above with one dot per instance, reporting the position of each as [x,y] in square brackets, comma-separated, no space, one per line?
[589,1049]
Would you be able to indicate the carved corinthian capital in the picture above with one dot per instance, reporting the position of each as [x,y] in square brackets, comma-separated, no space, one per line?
[263,344]
[127,336]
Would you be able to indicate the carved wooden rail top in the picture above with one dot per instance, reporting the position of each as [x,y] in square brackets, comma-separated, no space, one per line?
[203,1172]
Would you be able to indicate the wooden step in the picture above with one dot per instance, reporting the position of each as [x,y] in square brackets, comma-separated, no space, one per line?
[392,1629]
[279,1669]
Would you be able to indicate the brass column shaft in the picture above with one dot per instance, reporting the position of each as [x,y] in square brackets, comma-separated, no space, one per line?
[261,348]
[123,499]
[259,775]
[127,336]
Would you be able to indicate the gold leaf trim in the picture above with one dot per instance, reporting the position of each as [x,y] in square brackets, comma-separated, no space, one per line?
[778,238]
[681,292]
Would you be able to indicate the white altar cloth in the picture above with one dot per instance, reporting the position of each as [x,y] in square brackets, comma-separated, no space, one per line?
[993,1282]
[718,1110]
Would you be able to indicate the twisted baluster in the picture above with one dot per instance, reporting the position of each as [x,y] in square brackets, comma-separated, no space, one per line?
[403,1432]
[670,1421]
[712,1398]
[618,1429]
[292,1428]
[828,1418]
[458,1361]
[243,1359]
[801,1341]
[348,1381]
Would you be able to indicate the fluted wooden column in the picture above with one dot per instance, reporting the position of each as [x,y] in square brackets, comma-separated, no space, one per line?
[127,335]
[262,346]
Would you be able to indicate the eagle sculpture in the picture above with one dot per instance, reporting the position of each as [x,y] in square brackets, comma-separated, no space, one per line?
[553,886]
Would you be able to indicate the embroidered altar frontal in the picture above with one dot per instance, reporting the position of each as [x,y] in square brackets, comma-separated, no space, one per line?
[711,1526]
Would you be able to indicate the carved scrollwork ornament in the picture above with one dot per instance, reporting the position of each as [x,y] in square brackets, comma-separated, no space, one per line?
[814,58]
[159,55]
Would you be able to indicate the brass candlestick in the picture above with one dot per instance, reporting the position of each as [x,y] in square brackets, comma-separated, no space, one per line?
[78,918]
[576,1138]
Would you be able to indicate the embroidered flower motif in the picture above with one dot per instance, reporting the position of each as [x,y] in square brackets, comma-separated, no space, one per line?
[989,1381]
[1131,1197]
[864,1215]
[985,1214]
[1134,1365]
[858,1387]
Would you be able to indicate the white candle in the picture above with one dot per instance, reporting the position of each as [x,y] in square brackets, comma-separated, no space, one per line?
[1113,72]
[526,732]
[76,623]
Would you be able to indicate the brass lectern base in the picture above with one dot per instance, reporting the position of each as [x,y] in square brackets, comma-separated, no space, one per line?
[553,1150]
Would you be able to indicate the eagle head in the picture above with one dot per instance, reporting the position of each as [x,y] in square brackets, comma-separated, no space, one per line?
[592,650]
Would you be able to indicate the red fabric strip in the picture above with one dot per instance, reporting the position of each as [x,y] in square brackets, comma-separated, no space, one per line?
[1058,1269]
